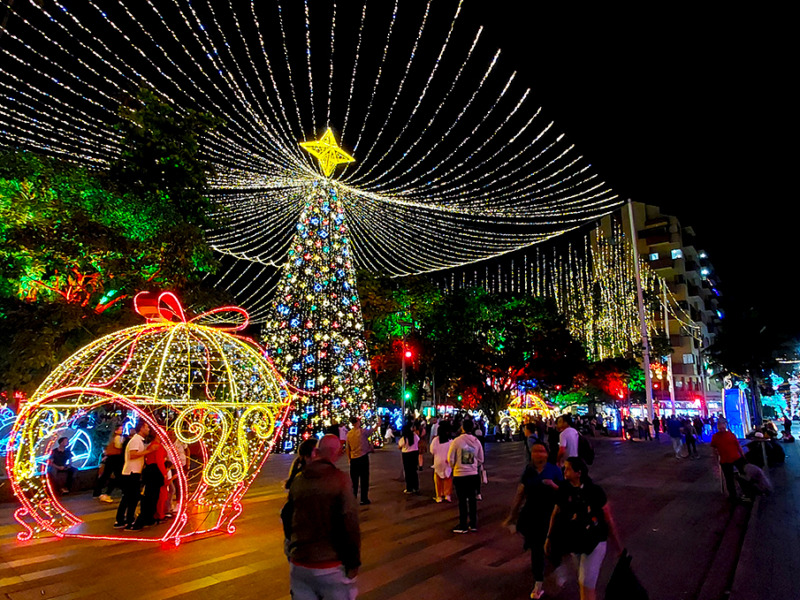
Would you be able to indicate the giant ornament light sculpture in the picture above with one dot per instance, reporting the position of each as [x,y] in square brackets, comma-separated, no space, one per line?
[209,386]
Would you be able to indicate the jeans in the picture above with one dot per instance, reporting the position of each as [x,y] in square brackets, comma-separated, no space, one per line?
[153,480]
[691,447]
[69,474]
[676,445]
[126,511]
[359,473]
[467,490]
[410,465]
[321,584]
[113,466]
[727,472]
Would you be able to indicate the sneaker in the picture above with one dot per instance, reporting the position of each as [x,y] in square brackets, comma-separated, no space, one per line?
[537,592]
[460,530]
[473,529]
[408,491]
[479,497]
[448,499]
[119,525]
[64,491]
[136,527]
[129,527]
[105,498]
[437,499]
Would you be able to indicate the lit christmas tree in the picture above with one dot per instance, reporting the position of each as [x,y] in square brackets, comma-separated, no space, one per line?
[316,336]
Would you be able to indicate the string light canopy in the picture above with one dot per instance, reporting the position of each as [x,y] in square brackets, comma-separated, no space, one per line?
[456,162]
[190,381]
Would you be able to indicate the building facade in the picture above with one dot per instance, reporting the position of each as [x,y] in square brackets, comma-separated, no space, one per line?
[693,316]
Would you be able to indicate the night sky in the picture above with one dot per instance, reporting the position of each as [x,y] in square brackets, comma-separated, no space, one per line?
[687,110]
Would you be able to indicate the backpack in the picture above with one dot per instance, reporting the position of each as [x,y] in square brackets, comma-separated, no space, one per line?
[585,450]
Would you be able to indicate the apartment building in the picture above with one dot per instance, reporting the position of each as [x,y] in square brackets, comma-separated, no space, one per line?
[672,251]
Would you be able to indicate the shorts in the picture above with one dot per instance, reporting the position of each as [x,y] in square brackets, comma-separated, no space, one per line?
[589,566]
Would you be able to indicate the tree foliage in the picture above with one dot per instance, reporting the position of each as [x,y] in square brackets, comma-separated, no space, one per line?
[469,343]
[75,242]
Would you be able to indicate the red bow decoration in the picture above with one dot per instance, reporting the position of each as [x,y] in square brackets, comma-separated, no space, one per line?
[165,307]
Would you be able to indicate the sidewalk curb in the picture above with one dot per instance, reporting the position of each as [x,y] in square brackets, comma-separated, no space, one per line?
[720,576]
[748,544]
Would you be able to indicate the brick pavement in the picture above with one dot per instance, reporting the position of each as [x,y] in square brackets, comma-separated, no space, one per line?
[670,513]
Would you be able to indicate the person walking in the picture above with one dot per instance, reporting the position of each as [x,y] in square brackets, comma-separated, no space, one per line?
[135,451]
[532,508]
[567,439]
[645,429]
[442,470]
[674,431]
[580,525]
[657,427]
[409,447]
[690,434]
[358,448]
[466,456]
[111,475]
[730,454]
[320,524]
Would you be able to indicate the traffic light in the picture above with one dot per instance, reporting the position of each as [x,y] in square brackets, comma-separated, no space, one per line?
[408,353]
[408,395]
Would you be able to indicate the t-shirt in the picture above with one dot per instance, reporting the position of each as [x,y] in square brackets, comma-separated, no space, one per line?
[180,448]
[582,522]
[439,451]
[59,458]
[539,497]
[134,465]
[727,445]
[569,440]
[406,447]
[674,428]
[358,444]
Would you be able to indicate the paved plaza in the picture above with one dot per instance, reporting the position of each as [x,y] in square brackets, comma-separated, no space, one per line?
[672,516]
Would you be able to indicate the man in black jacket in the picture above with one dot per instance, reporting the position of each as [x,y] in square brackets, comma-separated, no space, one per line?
[320,521]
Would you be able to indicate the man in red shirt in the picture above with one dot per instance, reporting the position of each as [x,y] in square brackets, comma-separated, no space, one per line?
[730,455]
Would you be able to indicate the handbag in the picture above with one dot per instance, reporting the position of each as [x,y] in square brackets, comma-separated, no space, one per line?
[624,585]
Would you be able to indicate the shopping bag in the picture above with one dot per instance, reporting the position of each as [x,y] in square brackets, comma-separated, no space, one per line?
[624,585]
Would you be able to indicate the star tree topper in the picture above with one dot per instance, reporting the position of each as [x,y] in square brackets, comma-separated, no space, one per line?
[327,152]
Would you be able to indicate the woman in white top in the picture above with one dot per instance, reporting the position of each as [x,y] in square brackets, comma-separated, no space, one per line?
[409,445]
[442,471]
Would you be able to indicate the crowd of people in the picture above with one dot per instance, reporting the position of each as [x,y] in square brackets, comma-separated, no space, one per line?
[138,465]
[558,509]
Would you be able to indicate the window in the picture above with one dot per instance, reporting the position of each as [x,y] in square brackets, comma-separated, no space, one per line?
[677,253]
[688,359]
[654,256]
